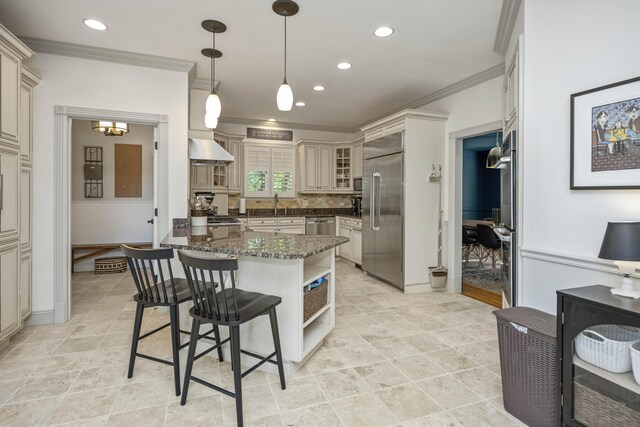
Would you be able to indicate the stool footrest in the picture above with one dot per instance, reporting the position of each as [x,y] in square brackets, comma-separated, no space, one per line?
[155,359]
[261,362]
[213,386]
[154,331]
[209,350]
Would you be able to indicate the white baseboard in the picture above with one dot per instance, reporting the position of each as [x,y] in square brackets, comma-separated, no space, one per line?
[420,288]
[44,317]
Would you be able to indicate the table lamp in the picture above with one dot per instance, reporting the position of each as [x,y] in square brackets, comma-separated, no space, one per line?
[621,243]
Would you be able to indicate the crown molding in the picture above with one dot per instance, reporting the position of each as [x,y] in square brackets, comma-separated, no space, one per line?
[508,16]
[474,80]
[109,55]
[29,77]
[285,125]
[14,44]
[204,84]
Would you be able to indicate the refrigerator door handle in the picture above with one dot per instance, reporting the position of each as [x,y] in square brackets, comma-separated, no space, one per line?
[375,201]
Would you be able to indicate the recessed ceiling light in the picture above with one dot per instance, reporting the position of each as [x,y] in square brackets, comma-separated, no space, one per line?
[344,65]
[383,31]
[272,119]
[95,24]
[300,104]
[318,88]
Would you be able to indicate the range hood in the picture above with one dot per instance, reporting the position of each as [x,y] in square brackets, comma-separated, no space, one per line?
[208,152]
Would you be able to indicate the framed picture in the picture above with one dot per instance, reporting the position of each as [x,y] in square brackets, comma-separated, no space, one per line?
[605,137]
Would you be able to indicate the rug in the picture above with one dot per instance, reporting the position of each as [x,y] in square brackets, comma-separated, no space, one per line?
[483,277]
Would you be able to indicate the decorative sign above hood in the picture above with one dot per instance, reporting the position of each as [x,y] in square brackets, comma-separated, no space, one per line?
[270,134]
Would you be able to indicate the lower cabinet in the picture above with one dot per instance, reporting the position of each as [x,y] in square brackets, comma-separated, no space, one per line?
[9,289]
[25,285]
[288,225]
[351,229]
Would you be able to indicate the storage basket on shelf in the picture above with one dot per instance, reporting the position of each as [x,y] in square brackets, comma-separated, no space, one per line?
[315,299]
[607,346]
[635,360]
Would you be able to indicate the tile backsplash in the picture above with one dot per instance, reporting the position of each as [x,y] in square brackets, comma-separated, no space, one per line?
[313,201]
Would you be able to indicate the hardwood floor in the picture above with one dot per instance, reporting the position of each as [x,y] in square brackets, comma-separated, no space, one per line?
[483,295]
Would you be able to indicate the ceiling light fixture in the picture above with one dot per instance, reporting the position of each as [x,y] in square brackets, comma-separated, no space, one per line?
[344,65]
[95,24]
[213,107]
[110,128]
[272,119]
[383,32]
[318,88]
[284,98]
[300,104]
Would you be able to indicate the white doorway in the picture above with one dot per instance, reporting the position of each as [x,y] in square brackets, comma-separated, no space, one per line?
[112,191]
[64,117]
[454,204]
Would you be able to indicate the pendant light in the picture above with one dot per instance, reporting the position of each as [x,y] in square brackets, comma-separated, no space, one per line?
[213,107]
[285,94]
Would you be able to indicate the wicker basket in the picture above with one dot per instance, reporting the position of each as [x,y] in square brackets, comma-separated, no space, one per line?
[607,346]
[116,264]
[595,409]
[635,360]
[314,300]
[527,341]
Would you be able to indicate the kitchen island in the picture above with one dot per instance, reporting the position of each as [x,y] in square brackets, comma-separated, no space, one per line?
[275,264]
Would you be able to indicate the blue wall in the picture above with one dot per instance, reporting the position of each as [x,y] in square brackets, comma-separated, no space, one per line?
[480,186]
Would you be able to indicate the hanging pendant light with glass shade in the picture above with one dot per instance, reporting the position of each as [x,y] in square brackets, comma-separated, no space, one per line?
[110,128]
[285,94]
[213,106]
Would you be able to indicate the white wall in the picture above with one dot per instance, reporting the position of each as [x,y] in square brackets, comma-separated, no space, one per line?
[82,135]
[78,82]
[567,50]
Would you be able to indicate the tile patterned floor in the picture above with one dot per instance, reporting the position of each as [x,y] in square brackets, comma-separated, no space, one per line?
[393,359]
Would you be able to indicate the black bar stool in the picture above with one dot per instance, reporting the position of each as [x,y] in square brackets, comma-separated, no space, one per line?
[229,307]
[156,291]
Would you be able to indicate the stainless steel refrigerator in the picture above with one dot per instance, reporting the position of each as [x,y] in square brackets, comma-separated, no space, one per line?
[382,209]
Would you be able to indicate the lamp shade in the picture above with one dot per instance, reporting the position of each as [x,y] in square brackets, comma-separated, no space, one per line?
[621,242]
[110,128]
[210,121]
[285,97]
[213,105]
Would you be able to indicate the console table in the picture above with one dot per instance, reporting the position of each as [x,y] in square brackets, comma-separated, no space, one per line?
[579,309]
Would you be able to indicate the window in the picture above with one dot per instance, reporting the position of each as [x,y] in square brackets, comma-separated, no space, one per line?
[269,170]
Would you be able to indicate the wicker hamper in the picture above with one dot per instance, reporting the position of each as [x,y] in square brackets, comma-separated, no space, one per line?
[602,405]
[314,300]
[527,340]
[116,264]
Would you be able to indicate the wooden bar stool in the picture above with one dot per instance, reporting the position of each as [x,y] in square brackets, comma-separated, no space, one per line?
[154,290]
[229,307]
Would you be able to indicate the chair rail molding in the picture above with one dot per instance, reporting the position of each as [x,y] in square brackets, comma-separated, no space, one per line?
[62,181]
[572,260]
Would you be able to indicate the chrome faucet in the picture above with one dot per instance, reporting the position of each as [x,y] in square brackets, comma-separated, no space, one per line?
[275,205]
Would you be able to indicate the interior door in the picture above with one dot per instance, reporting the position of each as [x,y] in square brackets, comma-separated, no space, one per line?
[388,239]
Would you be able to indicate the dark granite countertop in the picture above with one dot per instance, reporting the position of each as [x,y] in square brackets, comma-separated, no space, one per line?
[291,212]
[242,241]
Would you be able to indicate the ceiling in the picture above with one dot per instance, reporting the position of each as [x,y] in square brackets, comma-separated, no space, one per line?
[436,43]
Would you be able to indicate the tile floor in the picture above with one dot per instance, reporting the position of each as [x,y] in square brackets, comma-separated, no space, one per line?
[393,359]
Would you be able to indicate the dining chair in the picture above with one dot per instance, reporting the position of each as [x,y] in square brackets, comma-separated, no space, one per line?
[158,289]
[470,246]
[229,307]
[491,244]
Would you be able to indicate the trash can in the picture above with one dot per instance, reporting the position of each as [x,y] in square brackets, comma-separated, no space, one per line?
[527,341]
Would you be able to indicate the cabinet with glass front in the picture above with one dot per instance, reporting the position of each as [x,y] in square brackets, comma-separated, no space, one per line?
[343,168]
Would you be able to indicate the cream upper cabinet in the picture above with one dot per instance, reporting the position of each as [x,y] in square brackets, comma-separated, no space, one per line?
[343,168]
[10,99]
[510,88]
[316,168]
[9,289]
[200,177]
[234,170]
[357,161]
[9,194]
[324,168]
[29,81]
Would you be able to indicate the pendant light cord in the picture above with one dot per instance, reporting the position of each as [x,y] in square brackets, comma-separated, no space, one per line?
[285,49]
